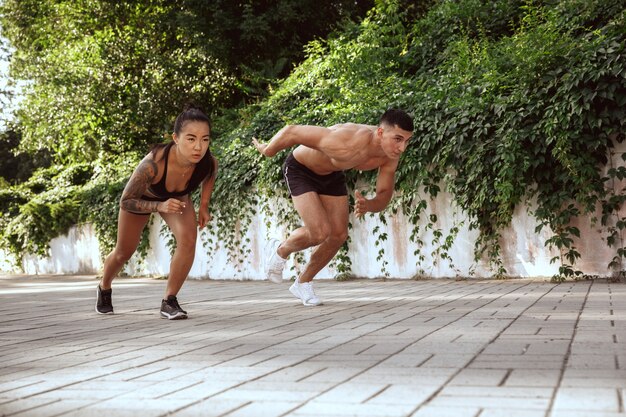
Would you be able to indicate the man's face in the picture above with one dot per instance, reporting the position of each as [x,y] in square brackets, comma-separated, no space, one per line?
[394,140]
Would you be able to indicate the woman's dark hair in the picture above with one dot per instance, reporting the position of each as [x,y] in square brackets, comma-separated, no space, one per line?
[397,117]
[190,113]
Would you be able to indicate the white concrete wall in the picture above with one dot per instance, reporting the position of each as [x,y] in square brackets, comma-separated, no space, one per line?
[523,251]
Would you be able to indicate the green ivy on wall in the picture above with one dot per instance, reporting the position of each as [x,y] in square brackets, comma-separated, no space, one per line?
[514,102]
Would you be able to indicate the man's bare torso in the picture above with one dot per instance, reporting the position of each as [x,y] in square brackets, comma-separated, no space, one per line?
[351,147]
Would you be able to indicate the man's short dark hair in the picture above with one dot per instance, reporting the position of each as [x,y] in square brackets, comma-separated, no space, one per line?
[398,118]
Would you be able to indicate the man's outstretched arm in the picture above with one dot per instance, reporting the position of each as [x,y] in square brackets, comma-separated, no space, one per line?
[290,135]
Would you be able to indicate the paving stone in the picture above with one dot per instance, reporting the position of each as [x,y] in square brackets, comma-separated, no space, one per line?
[533,378]
[443,411]
[376,348]
[592,399]
[32,406]
[598,361]
[356,410]
[596,382]
[130,408]
[402,394]
[497,392]
[203,390]
[446,360]
[508,412]
[480,377]
[518,362]
[67,405]
[548,347]
[265,409]
[586,413]
[521,403]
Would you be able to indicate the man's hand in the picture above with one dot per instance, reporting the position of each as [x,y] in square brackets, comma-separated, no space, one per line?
[259,146]
[360,204]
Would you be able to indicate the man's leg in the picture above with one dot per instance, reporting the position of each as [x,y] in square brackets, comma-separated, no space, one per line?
[316,228]
[337,212]
[334,213]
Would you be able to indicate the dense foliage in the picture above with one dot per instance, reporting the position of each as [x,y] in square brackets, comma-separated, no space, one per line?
[107,76]
[106,79]
[514,101]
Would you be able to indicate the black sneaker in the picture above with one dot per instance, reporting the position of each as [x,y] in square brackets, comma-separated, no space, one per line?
[104,304]
[170,309]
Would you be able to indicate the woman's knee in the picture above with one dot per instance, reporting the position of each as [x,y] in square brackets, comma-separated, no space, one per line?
[122,255]
[186,242]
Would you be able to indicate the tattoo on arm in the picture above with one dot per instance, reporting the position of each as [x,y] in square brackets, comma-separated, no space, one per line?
[137,186]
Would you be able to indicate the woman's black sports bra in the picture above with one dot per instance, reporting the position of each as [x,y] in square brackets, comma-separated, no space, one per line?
[201,171]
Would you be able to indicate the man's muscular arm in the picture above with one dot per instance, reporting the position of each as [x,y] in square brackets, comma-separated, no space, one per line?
[385,184]
[137,185]
[320,138]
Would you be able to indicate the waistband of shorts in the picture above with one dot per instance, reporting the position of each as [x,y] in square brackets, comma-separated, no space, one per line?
[150,198]
[291,160]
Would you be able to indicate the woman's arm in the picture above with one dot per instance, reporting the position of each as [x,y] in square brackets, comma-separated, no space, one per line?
[137,185]
[206,191]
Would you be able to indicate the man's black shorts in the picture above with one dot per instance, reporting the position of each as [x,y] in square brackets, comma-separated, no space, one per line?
[301,179]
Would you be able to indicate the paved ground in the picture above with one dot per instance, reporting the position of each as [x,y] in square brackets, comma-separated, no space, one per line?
[395,348]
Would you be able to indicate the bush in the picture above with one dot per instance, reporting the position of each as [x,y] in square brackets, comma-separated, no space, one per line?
[512,100]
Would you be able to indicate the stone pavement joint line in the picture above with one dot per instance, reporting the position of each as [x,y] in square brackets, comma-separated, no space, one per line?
[478,348]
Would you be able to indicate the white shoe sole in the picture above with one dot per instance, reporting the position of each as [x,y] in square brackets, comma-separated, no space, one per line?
[297,295]
[274,278]
[273,245]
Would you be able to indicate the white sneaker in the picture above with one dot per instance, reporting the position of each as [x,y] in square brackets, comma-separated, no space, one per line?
[304,291]
[275,264]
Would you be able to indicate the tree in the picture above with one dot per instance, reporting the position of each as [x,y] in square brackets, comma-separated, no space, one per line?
[108,77]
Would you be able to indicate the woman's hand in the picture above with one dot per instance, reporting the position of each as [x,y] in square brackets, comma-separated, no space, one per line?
[171,205]
[204,217]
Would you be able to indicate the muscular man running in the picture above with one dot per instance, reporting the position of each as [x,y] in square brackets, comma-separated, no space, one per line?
[314,175]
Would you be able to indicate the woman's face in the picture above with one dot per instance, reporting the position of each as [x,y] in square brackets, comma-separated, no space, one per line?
[193,140]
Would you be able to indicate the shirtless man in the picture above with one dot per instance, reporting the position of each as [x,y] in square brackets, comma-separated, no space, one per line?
[314,176]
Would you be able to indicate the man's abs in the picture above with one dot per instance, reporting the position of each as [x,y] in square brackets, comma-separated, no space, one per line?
[321,164]
[314,160]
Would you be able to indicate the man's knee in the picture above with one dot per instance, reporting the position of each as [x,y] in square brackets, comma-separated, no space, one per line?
[319,233]
[339,236]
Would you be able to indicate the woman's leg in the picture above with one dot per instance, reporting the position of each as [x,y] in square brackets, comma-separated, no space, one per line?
[185,229]
[129,228]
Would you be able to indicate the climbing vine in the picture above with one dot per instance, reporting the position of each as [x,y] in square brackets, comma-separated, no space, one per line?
[516,102]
